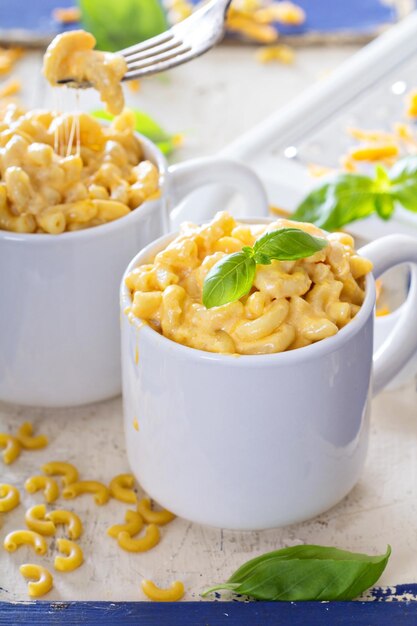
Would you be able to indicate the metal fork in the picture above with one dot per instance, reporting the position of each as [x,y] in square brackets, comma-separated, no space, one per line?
[181,43]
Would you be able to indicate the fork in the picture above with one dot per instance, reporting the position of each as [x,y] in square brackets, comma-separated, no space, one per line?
[181,43]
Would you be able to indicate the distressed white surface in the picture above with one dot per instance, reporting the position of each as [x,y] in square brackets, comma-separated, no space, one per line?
[213,100]
[381,509]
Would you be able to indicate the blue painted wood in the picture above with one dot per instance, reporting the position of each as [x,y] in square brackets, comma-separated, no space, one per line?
[323,16]
[372,613]
[362,17]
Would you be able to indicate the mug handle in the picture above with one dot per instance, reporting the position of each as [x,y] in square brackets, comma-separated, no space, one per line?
[401,343]
[184,178]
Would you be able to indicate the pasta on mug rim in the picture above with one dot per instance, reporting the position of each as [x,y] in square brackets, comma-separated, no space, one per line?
[65,173]
[292,304]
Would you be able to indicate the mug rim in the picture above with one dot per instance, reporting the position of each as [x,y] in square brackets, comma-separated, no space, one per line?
[152,150]
[314,350]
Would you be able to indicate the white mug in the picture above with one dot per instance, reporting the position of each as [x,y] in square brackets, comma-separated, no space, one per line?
[258,441]
[59,317]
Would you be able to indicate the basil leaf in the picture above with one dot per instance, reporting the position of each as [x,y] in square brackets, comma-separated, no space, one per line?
[384,206]
[287,244]
[229,279]
[349,197]
[403,176]
[307,573]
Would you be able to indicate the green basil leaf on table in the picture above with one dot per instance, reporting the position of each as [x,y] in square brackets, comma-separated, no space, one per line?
[403,177]
[348,197]
[306,572]
[229,279]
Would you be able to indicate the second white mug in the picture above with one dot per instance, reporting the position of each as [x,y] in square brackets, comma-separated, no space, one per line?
[59,317]
[259,441]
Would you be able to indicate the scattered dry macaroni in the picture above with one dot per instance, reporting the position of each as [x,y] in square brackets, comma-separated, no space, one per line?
[68,471]
[71,56]
[292,303]
[253,19]
[244,24]
[121,488]
[100,491]
[73,559]
[412,103]
[11,88]
[42,579]
[36,520]
[67,15]
[11,447]
[284,12]
[133,525]
[69,519]
[8,57]
[281,53]
[154,517]
[47,483]
[27,440]
[66,172]
[135,423]
[142,544]
[380,145]
[174,593]
[9,497]
[18,538]
[374,152]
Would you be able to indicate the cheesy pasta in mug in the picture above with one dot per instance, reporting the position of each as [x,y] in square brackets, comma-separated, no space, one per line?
[290,305]
[63,172]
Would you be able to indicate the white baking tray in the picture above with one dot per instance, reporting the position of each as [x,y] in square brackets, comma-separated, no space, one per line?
[366,91]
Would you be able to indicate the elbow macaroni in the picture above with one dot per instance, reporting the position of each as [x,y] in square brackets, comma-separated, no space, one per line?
[69,519]
[27,440]
[142,544]
[9,497]
[18,538]
[121,488]
[73,559]
[160,518]
[133,525]
[66,172]
[100,491]
[60,468]
[42,579]
[36,520]
[48,484]
[291,304]
[11,447]
[174,593]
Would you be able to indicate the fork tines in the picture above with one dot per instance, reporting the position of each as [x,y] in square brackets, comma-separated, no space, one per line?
[152,55]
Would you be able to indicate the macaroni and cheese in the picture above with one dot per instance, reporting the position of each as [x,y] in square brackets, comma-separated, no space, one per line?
[71,56]
[291,304]
[65,172]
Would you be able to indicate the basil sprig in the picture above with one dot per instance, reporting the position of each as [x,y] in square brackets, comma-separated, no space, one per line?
[232,277]
[350,197]
[306,572]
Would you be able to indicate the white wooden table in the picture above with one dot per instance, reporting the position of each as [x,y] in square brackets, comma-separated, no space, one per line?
[212,101]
